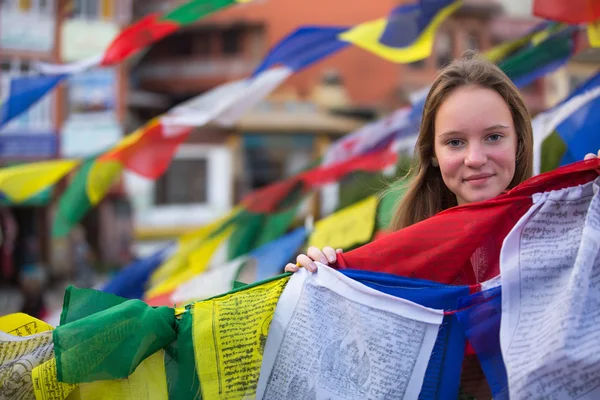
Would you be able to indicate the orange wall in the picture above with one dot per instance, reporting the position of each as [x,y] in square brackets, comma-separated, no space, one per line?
[367,78]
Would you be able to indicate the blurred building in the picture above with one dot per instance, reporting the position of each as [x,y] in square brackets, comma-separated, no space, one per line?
[80,118]
[231,43]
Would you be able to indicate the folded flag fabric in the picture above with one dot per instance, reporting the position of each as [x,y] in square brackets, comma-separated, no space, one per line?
[109,342]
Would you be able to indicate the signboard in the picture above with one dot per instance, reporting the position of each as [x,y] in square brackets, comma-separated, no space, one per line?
[92,124]
[90,133]
[28,145]
[26,31]
[86,38]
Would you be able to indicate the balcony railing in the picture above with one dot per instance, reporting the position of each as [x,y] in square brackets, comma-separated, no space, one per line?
[196,68]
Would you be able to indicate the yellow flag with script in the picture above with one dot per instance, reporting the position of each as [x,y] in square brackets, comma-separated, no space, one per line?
[19,324]
[348,227]
[229,334]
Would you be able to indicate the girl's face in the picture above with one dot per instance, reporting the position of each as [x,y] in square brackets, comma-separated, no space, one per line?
[475,143]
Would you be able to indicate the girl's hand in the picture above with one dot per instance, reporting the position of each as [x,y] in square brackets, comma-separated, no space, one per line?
[327,256]
[590,156]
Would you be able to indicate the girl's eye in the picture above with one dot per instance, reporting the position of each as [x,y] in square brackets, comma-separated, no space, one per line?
[495,137]
[454,143]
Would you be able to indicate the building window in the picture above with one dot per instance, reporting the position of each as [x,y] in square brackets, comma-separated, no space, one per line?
[202,43]
[444,48]
[185,182]
[86,9]
[44,7]
[232,41]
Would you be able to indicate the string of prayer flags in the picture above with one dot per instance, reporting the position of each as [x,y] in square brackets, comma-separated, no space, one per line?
[346,228]
[148,152]
[226,103]
[143,33]
[463,242]
[26,91]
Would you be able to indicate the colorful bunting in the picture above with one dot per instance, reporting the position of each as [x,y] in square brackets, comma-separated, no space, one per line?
[148,152]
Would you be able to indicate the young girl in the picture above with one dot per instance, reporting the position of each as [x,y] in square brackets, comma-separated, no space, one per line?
[474,143]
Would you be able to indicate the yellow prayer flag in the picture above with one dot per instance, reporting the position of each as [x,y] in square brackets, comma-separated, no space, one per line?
[200,255]
[45,384]
[147,382]
[19,324]
[367,35]
[101,177]
[187,243]
[348,227]
[593,31]
[21,182]
[229,334]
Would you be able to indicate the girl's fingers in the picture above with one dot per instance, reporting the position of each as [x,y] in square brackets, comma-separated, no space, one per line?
[317,255]
[330,254]
[306,262]
[291,268]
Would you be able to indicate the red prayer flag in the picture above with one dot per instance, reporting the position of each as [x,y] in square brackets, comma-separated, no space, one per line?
[150,154]
[568,11]
[137,36]
[266,200]
[462,245]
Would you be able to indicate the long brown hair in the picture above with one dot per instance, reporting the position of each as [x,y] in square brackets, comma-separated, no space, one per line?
[426,194]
